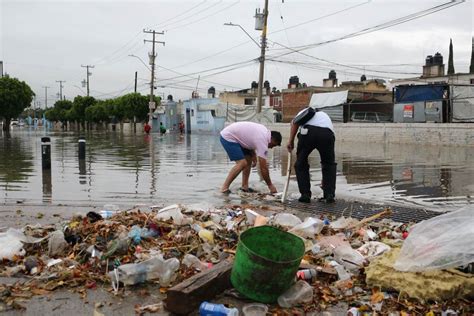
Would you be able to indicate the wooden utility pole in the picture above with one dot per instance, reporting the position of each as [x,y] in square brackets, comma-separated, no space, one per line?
[87,74]
[262,58]
[136,73]
[60,89]
[152,56]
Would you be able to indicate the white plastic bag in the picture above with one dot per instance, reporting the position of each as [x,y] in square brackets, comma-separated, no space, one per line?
[310,227]
[174,212]
[10,246]
[442,242]
[286,220]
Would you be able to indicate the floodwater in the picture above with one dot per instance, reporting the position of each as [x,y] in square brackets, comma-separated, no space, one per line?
[127,169]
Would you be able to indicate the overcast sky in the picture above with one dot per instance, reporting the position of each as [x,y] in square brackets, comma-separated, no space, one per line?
[45,41]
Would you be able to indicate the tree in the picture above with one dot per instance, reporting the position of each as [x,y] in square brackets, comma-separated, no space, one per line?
[59,112]
[97,113]
[132,105]
[15,96]
[451,59]
[79,106]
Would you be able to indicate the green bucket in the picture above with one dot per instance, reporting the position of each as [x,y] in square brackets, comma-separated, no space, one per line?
[266,263]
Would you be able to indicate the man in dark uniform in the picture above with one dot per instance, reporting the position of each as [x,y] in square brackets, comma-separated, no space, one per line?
[316,133]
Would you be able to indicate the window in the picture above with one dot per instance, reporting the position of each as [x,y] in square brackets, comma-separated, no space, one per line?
[192,112]
[371,117]
[472,81]
[359,116]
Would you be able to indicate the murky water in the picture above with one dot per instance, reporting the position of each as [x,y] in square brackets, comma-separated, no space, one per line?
[127,169]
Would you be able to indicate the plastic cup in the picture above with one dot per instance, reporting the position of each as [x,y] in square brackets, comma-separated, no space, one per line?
[255,309]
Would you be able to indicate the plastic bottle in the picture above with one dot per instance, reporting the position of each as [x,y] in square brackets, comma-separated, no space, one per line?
[300,292]
[204,234]
[193,261]
[306,274]
[109,210]
[342,273]
[152,269]
[210,309]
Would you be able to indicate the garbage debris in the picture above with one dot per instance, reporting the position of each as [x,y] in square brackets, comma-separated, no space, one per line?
[442,242]
[344,263]
[300,292]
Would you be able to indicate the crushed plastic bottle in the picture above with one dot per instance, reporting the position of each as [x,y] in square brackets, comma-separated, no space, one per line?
[210,309]
[151,269]
[192,261]
[341,272]
[300,292]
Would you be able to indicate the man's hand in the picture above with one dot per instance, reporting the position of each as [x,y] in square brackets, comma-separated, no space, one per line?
[290,146]
[272,188]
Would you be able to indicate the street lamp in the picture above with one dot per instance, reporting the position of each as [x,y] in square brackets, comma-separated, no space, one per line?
[238,25]
[131,55]
[263,17]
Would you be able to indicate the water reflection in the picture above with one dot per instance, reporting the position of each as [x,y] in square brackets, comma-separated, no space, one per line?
[127,168]
[421,175]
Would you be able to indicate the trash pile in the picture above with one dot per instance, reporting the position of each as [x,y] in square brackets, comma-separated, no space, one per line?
[356,263]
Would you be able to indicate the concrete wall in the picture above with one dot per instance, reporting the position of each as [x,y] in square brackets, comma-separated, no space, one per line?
[461,134]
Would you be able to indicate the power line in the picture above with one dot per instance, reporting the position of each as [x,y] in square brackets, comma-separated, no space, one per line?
[321,17]
[204,17]
[182,13]
[194,14]
[378,27]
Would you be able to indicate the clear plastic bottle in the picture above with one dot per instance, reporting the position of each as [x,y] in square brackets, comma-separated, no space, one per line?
[151,269]
[193,261]
[300,292]
[210,309]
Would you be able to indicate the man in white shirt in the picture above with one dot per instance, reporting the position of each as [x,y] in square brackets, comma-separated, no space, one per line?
[317,133]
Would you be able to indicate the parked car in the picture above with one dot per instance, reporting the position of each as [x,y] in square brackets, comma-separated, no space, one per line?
[370,117]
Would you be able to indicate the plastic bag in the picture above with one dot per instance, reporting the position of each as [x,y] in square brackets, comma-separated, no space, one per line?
[310,227]
[10,246]
[442,242]
[173,212]
[287,220]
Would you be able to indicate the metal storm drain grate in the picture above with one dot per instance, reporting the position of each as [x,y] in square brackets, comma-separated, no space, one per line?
[360,210]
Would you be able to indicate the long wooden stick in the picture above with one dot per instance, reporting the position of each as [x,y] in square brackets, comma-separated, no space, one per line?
[288,174]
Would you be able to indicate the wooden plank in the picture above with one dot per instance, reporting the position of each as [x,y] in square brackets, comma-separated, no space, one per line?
[189,294]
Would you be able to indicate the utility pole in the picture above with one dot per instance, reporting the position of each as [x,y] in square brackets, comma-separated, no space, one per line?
[88,74]
[262,58]
[152,56]
[60,88]
[46,96]
[136,73]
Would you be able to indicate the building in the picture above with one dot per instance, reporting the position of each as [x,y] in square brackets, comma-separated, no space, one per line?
[434,73]
[167,114]
[366,95]
[203,115]
[435,96]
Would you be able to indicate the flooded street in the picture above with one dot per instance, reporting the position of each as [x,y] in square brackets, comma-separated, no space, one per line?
[127,169]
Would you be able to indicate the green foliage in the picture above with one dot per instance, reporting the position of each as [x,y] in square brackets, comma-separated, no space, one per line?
[451,59]
[132,104]
[79,106]
[59,113]
[97,113]
[15,96]
[84,109]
